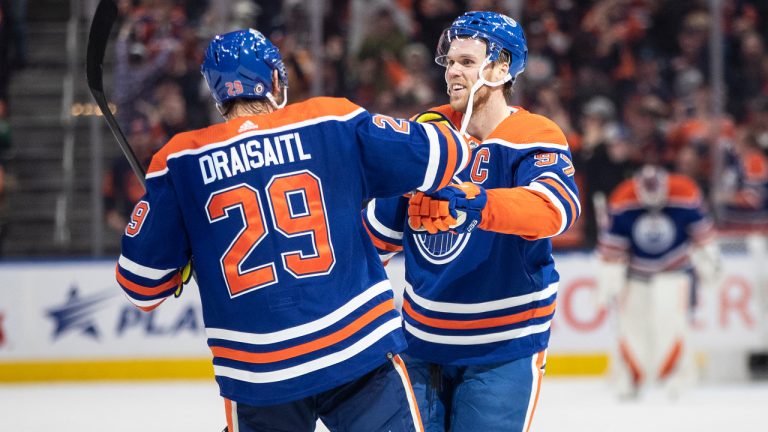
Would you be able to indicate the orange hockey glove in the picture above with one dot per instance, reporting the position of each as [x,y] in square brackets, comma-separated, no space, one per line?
[463,203]
[427,213]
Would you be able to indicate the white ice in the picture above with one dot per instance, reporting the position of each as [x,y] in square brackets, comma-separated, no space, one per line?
[566,404]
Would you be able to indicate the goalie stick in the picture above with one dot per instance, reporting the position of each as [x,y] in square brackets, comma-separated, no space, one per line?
[101,27]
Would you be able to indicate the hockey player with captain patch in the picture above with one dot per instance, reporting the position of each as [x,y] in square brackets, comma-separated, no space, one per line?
[481,281]
[297,307]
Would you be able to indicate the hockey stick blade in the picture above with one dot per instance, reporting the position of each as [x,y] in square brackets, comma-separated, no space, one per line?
[101,27]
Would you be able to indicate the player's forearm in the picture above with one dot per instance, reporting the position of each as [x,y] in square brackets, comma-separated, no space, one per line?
[520,212]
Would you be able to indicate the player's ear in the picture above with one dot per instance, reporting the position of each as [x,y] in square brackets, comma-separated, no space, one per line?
[501,70]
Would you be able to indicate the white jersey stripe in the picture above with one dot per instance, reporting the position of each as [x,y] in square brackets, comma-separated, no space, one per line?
[310,366]
[538,187]
[253,133]
[471,308]
[144,303]
[526,146]
[434,157]
[235,417]
[477,339]
[565,186]
[465,152]
[143,271]
[377,225]
[304,329]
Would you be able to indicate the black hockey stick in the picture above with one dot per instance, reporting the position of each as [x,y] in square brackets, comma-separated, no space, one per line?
[101,27]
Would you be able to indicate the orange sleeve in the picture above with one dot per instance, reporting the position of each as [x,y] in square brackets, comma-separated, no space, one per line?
[520,211]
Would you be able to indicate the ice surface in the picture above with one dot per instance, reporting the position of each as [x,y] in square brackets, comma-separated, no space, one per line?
[566,404]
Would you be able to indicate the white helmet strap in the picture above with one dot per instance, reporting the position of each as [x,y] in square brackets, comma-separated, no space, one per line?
[274,103]
[480,82]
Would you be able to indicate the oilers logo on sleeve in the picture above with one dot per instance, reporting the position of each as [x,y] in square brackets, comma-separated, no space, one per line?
[484,296]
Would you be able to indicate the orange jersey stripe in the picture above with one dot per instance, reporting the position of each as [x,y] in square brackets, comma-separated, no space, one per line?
[479,323]
[151,308]
[539,363]
[143,290]
[414,408]
[228,409]
[450,165]
[381,244]
[324,342]
[566,196]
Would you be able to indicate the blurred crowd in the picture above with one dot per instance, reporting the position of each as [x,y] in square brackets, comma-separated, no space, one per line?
[13,56]
[627,80]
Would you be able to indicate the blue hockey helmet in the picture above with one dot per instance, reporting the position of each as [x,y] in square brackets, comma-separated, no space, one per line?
[498,31]
[240,64]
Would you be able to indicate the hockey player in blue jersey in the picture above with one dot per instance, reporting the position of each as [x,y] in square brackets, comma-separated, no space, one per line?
[297,307]
[657,235]
[481,290]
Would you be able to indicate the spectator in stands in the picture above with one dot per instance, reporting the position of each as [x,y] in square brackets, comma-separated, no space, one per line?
[415,89]
[692,44]
[748,76]
[697,134]
[745,184]
[145,51]
[608,157]
[5,40]
[646,117]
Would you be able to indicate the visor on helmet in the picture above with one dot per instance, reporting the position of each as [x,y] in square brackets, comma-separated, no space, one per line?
[492,49]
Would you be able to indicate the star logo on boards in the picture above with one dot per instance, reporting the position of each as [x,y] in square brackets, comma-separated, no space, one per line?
[246,126]
[77,313]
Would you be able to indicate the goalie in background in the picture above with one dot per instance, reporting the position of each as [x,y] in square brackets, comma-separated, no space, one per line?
[657,248]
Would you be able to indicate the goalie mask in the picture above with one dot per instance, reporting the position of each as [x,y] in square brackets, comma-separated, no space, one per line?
[652,186]
[239,65]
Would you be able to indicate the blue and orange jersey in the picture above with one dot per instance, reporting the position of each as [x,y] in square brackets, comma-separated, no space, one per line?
[295,299]
[655,240]
[488,295]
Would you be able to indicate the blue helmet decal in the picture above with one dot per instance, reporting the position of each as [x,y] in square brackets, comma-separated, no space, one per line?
[240,64]
[498,31]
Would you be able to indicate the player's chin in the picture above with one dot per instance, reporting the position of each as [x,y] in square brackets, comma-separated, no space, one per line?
[458,104]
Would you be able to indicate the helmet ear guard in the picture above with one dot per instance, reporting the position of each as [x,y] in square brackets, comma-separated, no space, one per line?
[240,65]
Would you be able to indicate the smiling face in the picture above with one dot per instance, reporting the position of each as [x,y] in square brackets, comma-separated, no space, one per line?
[462,63]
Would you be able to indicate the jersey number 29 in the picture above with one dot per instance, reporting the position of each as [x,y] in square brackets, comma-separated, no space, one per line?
[308,219]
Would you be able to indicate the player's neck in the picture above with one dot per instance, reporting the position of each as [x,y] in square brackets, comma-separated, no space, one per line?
[487,116]
[248,108]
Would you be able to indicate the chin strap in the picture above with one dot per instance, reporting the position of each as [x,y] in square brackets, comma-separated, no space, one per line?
[274,103]
[480,82]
